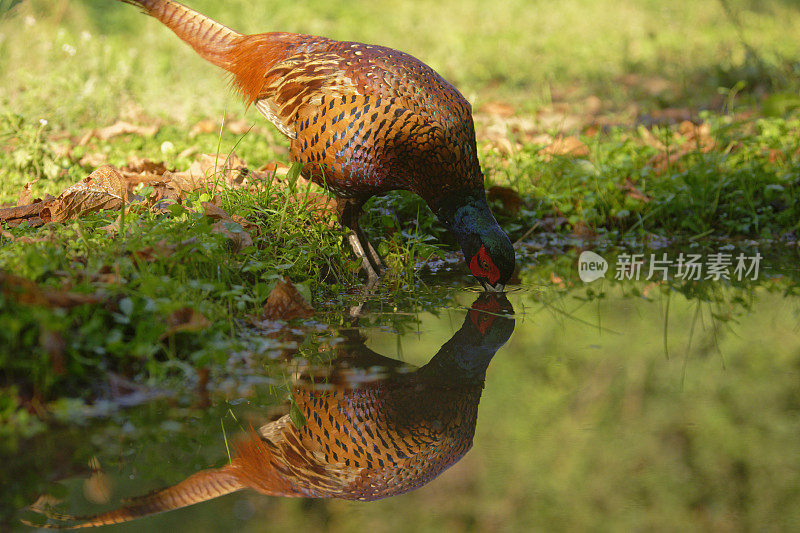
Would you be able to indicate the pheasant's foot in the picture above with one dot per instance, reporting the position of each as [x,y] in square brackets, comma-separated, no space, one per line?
[369,288]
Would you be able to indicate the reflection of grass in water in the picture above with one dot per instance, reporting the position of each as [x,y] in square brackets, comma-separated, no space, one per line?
[619,435]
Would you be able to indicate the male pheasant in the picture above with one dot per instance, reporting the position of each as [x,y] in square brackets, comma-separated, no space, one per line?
[362,120]
[361,440]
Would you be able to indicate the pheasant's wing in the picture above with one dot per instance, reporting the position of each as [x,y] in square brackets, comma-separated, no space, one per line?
[300,80]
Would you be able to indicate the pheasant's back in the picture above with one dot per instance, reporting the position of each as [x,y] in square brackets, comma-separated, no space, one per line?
[362,444]
[365,119]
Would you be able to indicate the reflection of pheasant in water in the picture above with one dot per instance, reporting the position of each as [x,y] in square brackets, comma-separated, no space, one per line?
[361,442]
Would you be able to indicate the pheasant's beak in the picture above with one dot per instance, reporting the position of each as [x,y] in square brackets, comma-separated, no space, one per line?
[499,287]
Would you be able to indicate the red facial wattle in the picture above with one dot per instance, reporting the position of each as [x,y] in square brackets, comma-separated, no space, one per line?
[484,312]
[481,320]
[482,266]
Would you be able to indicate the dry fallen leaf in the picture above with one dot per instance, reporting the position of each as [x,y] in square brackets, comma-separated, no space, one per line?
[27,292]
[103,189]
[212,173]
[689,138]
[26,194]
[144,166]
[185,319]
[119,128]
[23,239]
[159,250]
[565,146]
[106,187]
[275,167]
[93,159]
[204,126]
[13,216]
[234,232]
[214,211]
[239,127]
[500,109]
[231,227]
[286,303]
[508,198]
[633,192]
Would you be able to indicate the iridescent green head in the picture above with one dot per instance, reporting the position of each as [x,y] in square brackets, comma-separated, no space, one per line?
[487,249]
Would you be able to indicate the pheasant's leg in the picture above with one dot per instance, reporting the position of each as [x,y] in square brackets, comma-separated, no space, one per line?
[366,293]
[349,212]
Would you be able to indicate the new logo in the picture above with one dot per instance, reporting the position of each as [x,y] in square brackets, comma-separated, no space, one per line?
[591,266]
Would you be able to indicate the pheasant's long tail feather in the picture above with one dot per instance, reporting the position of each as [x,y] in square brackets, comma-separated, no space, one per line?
[209,38]
[200,487]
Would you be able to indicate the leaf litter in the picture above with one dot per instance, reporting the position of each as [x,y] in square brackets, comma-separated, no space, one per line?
[150,184]
[147,185]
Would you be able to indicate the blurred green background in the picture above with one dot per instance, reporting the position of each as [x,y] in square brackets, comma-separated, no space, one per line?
[105,55]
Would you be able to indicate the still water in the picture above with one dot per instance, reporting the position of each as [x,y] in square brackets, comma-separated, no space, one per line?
[567,406]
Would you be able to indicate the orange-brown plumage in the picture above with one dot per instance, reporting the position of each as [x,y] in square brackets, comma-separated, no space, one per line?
[363,120]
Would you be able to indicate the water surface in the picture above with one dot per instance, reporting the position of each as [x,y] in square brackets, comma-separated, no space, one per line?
[592,406]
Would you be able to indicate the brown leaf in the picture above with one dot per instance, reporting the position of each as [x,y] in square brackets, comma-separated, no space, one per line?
[15,215]
[650,139]
[560,119]
[542,139]
[185,319]
[145,166]
[246,224]
[286,303]
[26,194]
[204,126]
[633,192]
[696,137]
[508,198]
[592,104]
[234,232]
[775,155]
[212,173]
[159,250]
[239,127]
[107,275]
[23,239]
[275,167]
[215,212]
[112,227]
[93,159]
[28,292]
[501,109]
[565,146]
[227,226]
[119,128]
[103,189]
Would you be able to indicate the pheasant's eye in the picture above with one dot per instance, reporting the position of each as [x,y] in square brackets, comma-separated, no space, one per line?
[484,264]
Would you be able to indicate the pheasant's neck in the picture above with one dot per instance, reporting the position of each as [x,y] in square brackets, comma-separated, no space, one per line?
[466,214]
[459,363]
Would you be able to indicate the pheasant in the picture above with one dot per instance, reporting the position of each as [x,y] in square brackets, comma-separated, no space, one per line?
[362,120]
[361,441]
